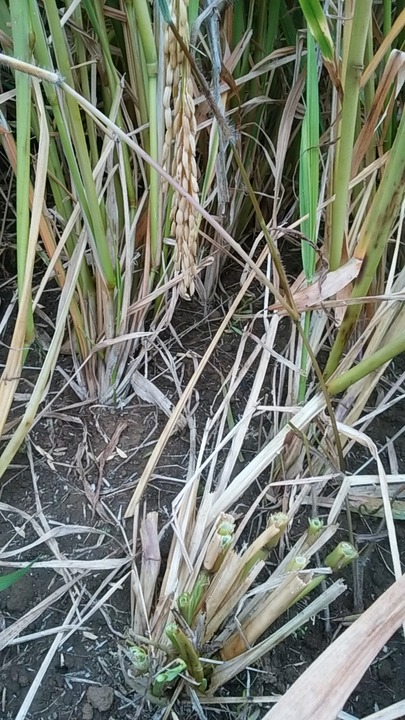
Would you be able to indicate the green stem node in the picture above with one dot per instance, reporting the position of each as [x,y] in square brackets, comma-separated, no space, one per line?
[343,554]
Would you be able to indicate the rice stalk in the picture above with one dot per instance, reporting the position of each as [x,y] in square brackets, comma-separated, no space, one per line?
[350,655]
[191,615]
[373,237]
[308,184]
[266,612]
[13,368]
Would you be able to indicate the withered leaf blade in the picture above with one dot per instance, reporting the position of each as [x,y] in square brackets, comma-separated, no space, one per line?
[324,286]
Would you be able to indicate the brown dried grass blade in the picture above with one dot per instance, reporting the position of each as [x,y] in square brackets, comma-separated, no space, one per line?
[284,139]
[150,569]
[325,285]
[222,582]
[393,74]
[267,611]
[45,229]
[396,28]
[232,601]
[324,688]
[150,393]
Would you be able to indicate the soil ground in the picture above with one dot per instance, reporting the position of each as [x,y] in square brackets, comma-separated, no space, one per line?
[84,679]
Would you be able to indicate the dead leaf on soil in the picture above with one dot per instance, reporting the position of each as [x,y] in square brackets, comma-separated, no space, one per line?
[147,391]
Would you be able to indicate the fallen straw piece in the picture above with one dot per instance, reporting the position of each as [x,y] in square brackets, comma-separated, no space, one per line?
[316,693]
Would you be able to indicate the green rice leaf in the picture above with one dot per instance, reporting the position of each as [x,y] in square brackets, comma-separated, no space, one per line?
[318,26]
[7,580]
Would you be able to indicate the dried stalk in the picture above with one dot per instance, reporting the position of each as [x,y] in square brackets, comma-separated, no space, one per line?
[316,693]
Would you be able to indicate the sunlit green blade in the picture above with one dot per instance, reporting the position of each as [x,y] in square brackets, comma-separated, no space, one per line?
[21,46]
[7,580]
[318,26]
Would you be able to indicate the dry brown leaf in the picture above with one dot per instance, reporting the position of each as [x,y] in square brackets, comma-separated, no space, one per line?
[150,569]
[102,460]
[393,74]
[270,607]
[384,47]
[150,393]
[324,286]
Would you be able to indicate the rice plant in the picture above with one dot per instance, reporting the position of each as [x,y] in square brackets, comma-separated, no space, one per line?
[371,218]
[350,212]
[166,136]
[208,623]
[114,125]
